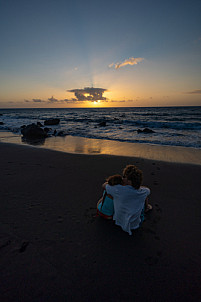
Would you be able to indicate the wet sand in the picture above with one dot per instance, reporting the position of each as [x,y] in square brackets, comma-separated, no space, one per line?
[54,248]
[81,145]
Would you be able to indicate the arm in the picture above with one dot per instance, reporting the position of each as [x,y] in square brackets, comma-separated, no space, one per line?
[104,185]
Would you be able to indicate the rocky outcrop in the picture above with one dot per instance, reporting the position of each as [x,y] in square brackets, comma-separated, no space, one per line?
[145,130]
[52,121]
[33,131]
[1,123]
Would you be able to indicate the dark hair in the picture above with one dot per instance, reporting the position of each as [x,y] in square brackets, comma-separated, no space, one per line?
[133,174]
[114,180]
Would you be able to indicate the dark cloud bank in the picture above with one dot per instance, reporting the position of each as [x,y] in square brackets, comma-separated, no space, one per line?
[90,94]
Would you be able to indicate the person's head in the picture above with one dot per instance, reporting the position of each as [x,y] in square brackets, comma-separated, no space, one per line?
[115,180]
[134,175]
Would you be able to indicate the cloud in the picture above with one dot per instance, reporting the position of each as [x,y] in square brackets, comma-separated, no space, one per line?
[37,101]
[54,100]
[89,94]
[198,91]
[70,101]
[81,95]
[130,61]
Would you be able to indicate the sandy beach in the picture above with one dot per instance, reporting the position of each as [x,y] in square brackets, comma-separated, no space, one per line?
[54,248]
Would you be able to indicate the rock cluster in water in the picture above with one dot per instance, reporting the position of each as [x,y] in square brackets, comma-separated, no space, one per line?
[145,130]
[33,131]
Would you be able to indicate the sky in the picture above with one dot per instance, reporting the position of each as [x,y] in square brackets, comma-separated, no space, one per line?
[63,53]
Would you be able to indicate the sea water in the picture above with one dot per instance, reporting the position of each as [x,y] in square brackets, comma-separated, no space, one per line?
[171,126]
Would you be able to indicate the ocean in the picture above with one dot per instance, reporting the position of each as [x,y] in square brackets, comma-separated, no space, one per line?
[171,126]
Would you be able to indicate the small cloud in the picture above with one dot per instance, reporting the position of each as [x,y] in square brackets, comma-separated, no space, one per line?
[198,91]
[26,101]
[53,100]
[37,101]
[69,101]
[130,61]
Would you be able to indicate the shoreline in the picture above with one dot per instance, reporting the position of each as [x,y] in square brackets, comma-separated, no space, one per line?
[80,145]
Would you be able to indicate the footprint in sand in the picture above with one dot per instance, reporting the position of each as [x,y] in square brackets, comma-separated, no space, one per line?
[5,244]
[90,214]
[23,247]
[158,209]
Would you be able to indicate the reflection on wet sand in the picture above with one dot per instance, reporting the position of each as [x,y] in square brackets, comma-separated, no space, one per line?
[81,145]
[33,142]
[72,144]
[90,148]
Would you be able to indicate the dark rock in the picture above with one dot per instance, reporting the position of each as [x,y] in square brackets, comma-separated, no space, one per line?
[52,121]
[145,130]
[60,133]
[46,129]
[23,126]
[33,131]
[1,123]
[39,124]
[102,124]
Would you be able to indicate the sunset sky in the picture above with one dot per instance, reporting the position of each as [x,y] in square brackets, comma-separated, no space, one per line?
[140,53]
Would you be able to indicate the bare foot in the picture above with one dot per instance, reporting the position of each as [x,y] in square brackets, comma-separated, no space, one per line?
[148,208]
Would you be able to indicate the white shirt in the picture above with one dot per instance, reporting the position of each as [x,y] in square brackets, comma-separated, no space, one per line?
[128,205]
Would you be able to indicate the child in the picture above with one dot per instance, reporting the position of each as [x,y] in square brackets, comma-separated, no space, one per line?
[105,206]
[129,199]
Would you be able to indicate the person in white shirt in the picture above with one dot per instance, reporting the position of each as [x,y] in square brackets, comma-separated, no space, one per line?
[130,200]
